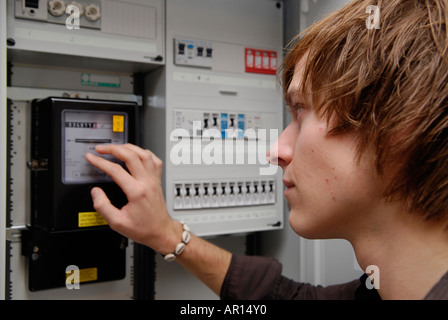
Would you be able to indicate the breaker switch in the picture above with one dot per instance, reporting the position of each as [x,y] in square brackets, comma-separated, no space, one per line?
[209,52]
[181,48]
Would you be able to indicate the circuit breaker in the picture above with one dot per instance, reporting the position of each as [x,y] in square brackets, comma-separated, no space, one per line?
[64,229]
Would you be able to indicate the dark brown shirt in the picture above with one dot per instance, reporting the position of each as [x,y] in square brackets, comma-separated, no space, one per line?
[259,278]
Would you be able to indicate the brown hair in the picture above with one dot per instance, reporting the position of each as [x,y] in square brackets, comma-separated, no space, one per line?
[390,85]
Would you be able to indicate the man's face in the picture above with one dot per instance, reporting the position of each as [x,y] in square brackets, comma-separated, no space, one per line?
[328,192]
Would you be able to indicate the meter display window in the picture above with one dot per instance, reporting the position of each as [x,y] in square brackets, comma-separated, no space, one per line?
[82,131]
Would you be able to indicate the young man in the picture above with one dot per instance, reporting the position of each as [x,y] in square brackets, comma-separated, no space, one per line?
[365,158]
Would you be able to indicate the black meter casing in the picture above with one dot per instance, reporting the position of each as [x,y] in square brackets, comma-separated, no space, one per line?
[64,229]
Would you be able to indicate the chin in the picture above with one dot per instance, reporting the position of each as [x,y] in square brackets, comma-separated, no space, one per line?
[299,227]
[307,229]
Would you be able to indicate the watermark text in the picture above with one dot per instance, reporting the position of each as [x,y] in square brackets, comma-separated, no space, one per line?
[72,21]
[210,147]
[373,20]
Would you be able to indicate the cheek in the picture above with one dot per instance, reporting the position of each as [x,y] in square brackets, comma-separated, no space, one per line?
[331,189]
[312,160]
[329,162]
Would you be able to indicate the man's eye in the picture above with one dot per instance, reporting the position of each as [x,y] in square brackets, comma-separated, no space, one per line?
[298,111]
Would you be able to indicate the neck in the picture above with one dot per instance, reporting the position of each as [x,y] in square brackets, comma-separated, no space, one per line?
[411,255]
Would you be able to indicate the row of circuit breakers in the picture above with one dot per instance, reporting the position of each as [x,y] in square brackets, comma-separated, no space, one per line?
[202,195]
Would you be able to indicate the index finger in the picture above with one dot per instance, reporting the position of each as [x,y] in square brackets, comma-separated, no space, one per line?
[128,156]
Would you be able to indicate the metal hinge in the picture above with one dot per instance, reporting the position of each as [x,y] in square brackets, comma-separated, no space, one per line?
[14,234]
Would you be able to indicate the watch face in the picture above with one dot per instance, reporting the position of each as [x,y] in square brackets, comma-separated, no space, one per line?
[82,131]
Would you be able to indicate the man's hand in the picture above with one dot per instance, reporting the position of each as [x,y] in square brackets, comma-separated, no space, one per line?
[145,218]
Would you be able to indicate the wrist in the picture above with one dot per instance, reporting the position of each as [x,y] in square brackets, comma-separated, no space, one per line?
[171,237]
[185,239]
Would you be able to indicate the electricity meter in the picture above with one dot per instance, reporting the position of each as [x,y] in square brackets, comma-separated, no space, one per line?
[64,229]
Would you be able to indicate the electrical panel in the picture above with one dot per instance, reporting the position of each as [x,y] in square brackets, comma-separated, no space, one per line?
[219,117]
[64,229]
[130,31]
[85,55]
[203,96]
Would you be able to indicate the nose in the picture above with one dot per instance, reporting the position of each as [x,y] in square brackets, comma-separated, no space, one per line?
[281,152]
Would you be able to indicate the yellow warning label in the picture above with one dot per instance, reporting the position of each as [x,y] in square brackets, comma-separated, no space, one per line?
[82,275]
[117,123]
[90,219]
[88,274]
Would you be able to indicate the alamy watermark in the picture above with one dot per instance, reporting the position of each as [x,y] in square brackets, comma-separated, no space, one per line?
[373,277]
[230,146]
[72,279]
[373,20]
[72,21]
